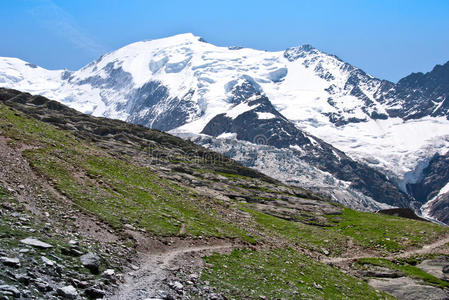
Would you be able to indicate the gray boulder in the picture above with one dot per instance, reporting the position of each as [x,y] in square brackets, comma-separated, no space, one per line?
[67,292]
[10,261]
[91,261]
[36,243]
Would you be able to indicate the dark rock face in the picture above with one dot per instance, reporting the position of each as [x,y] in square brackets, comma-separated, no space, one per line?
[434,177]
[152,106]
[277,131]
[243,91]
[440,208]
[116,78]
[419,94]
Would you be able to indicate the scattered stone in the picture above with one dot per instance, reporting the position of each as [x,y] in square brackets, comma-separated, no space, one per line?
[22,278]
[317,286]
[193,277]
[129,226]
[177,285]
[134,267]
[47,261]
[83,284]
[214,296]
[91,261]
[73,251]
[43,286]
[10,261]
[67,292]
[10,289]
[93,292]
[109,274]
[446,269]
[36,243]
[7,205]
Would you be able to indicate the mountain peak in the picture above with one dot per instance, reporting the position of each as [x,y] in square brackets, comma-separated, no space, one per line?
[294,53]
[181,38]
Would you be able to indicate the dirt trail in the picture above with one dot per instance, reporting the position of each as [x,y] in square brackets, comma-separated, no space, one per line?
[424,250]
[155,268]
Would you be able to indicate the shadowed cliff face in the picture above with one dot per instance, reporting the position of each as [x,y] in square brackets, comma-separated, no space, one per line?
[263,124]
[419,94]
[434,177]
[432,188]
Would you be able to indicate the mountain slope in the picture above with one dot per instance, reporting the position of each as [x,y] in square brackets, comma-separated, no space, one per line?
[181,84]
[131,194]
[258,122]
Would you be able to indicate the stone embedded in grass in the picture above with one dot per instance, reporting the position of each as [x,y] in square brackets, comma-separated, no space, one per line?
[30,241]
[91,261]
[317,286]
[6,290]
[10,261]
[47,261]
[73,251]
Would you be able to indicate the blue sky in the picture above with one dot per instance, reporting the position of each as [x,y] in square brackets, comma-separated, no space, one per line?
[387,38]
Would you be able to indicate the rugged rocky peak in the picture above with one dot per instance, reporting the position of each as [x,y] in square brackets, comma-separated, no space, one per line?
[421,94]
[302,51]
[242,89]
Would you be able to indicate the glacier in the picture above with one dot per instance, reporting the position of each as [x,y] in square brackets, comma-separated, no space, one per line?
[180,83]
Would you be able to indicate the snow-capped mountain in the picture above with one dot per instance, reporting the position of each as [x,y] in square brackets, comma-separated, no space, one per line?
[300,101]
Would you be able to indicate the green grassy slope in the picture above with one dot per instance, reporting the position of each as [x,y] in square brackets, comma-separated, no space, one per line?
[126,174]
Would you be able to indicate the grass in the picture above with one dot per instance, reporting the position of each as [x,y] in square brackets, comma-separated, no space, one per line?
[233,176]
[385,233]
[120,191]
[372,231]
[409,270]
[281,273]
[132,194]
[308,236]
[128,193]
